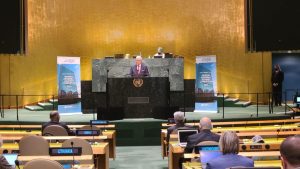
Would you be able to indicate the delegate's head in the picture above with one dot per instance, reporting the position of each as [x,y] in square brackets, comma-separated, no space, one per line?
[205,123]
[229,142]
[138,60]
[54,116]
[277,67]
[160,50]
[290,152]
[179,117]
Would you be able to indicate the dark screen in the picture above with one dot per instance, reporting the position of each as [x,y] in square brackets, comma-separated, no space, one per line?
[184,135]
[10,29]
[275,25]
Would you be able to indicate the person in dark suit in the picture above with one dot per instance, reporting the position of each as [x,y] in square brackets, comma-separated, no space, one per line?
[277,79]
[290,152]
[54,120]
[205,134]
[139,69]
[3,162]
[179,123]
[229,145]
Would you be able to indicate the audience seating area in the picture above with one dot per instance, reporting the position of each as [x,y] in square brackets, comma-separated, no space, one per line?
[96,150]
[33,148]
[265,154]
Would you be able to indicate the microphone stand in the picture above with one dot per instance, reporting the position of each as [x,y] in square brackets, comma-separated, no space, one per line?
[279,130]
[248,120]
[73,161]
[17,162]
[92,133]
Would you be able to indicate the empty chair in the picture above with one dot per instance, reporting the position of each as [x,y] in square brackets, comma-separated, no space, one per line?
[78,142]
[42,164]
[55,130]
[33,145]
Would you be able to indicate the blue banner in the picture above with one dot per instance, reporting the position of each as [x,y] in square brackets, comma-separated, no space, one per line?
[69,87]
[206,85]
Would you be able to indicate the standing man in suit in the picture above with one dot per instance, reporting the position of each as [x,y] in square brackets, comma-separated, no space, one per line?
[277,79]
[139,69]
[229,145]
[205,134]
[290,152]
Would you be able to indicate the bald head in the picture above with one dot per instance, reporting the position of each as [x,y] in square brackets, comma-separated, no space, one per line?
[290,152]
[205,123]
[54,116]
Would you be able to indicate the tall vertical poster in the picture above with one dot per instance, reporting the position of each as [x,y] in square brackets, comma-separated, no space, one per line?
[69,87]
[206,85]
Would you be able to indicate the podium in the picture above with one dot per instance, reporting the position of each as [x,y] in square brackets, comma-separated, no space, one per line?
[137,97]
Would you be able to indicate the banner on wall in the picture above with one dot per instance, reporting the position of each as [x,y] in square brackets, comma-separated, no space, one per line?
[206,85]
[69,87]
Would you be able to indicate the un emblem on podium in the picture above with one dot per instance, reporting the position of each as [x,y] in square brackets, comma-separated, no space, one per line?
[138,82]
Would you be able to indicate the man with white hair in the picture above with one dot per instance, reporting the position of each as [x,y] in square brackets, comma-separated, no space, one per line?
[160,52]
[205,134]
[139,69]
[179,123]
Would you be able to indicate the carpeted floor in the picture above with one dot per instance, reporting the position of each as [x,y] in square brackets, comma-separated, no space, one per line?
[139,157]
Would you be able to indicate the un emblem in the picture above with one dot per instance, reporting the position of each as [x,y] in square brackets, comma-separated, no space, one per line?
[138,82]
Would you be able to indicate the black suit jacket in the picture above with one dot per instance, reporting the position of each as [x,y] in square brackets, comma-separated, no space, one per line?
[277,78]
[203,135]
[70,132]
[143,73]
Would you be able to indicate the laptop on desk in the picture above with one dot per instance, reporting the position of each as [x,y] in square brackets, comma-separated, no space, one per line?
[11,158]
[183,135]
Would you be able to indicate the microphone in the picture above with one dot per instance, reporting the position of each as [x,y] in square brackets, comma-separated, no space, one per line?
[278,131]
[73,161]
[17,163]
